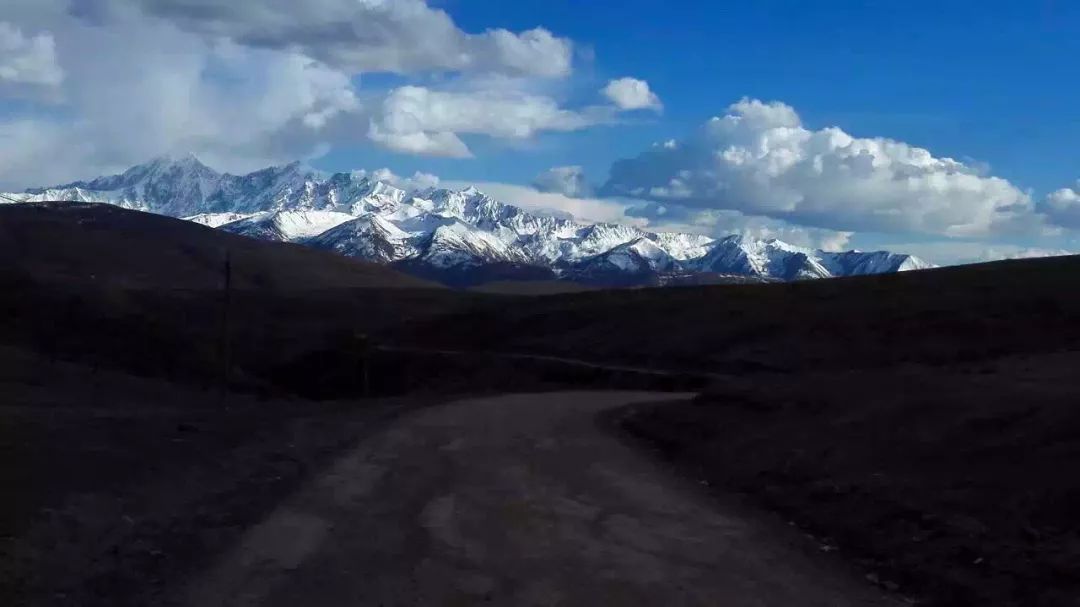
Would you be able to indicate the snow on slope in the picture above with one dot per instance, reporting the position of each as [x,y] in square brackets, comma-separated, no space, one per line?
[286,226]
[440,229]
[369,237]
[637,256]
[855,263]
[216,220]
[683,246]
[459,244]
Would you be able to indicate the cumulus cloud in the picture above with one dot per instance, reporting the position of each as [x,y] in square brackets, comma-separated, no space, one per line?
[28,59]
[401,36]
[1063,207]
[418,181]
[632,94]
[760,159]
[149,88]
[419,120]
[568,180]
[246,84]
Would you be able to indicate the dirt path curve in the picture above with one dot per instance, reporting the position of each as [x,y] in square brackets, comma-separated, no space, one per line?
[573,362]
[514,500]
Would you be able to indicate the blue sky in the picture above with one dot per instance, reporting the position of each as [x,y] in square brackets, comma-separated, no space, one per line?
[499,92]
[990,80]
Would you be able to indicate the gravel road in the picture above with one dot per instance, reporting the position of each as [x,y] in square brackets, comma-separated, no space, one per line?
[517,500]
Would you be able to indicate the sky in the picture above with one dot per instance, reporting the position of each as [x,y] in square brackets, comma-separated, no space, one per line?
[947,129]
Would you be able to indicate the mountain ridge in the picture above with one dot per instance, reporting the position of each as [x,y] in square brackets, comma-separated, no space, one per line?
[452,235]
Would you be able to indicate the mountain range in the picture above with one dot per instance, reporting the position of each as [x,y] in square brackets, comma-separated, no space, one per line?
[459,237]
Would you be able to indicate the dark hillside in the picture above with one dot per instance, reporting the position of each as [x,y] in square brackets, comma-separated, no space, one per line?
[932,316]
[925,423]
[954,484]
[97,244]
[143,293]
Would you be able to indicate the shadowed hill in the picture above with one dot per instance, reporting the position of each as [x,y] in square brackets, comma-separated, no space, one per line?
[76,274]
[925,421]
[932,316]
[76,243]
[122,289]
[532,287]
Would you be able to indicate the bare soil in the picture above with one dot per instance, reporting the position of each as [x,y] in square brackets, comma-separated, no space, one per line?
[517,500]
[120,487]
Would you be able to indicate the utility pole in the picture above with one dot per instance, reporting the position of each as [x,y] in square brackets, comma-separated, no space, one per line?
[363,346]
[224,343]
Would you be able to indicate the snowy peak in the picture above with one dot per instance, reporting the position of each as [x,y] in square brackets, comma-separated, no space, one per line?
[169,168]
[683,246]
[637,256]
[172,185]
[462,235]
[857,263]
[764,258]
[370,237]
[459,244]
[778,259]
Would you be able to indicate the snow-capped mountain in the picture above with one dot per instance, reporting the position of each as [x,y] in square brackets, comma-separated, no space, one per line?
[461,236]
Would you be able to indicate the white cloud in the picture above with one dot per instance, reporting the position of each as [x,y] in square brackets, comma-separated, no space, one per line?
[419,120]
[418,181]
[568,180]
[223,80]
[760,159]
[1063,207]
[632,94]
[39,152]
[401,36]
[28,59]
[148,88]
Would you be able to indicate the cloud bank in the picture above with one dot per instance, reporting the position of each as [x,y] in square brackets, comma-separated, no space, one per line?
[399,36]
[759,159]
[246,84]
[28,59]
[419,120]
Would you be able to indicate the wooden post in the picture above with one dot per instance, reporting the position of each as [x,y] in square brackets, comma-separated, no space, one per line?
[224,345]
[363,346]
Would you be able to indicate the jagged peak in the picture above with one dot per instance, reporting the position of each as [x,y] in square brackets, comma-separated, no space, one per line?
[438,214]
[164,162]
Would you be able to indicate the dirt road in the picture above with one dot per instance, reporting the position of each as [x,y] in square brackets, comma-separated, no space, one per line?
[516,500]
